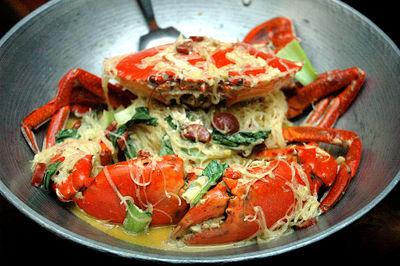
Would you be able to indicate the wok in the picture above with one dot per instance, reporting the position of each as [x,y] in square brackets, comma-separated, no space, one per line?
[67,34]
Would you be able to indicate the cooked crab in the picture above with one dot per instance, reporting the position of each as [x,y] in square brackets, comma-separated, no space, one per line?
[201,71]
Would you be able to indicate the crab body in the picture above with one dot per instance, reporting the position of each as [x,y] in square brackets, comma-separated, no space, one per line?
[206,72]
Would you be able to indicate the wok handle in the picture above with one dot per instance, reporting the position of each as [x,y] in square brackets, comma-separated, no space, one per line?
[147,11]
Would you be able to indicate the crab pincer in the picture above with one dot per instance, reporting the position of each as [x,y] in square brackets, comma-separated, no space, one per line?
[151,184]
[246,208]
[265,196]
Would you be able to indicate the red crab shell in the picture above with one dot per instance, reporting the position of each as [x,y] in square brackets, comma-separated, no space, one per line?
[148,182]
[203,71]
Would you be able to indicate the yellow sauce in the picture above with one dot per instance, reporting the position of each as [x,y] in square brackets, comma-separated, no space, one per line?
[156,237]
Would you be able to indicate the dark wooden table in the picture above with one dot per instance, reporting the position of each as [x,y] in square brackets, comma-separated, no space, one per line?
[373,238]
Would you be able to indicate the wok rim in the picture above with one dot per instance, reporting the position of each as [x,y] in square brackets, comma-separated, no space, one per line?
[134,254]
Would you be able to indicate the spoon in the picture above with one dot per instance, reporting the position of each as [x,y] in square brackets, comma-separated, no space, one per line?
[156,36]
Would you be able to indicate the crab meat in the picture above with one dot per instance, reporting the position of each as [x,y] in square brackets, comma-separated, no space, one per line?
[201,71]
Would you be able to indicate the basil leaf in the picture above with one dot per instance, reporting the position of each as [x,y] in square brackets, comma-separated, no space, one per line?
[136,220]
[166,147]
[64,134]
[238,138]
[51,169]
[200,186]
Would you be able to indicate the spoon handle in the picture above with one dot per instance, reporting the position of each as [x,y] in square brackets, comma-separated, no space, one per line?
[147,11]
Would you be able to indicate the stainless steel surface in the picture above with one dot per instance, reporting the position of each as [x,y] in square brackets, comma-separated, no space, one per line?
[157,35]
[67,34]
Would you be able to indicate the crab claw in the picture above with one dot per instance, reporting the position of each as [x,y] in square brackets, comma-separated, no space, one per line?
[278,31]
[152,184]
[347,169]
[78,179]
[201,71]
[216,199]
[251,207]
[315,162]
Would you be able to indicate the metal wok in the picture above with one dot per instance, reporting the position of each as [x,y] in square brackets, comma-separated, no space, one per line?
[66,34]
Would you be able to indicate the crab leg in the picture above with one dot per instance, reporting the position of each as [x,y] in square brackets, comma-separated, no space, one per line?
[330,115]
[279,31]
[339,137]
[318,111]
[116,95]
[57,123]
[328,110]
[79,87]
[34,120]
[42,114]
[326,84]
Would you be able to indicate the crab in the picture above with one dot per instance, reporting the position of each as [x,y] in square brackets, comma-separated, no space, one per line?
[199,72]
[245,209]
[78,92]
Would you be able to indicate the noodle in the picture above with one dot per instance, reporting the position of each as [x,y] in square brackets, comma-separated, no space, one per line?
[266,114]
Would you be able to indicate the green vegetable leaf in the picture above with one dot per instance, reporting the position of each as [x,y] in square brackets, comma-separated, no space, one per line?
[64,134]
[170,120]
[51,169]
[124,115]
[293,52]
[166,147]
[141,116]
[130,151]
[191,116]
[106,119]
[194,152]
[136,220]
[238,138]
[200,186]
[215,170]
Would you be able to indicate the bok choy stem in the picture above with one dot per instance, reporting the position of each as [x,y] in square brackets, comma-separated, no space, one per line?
[293,52]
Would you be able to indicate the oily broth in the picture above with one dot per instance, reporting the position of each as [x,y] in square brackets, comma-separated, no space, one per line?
[155,237]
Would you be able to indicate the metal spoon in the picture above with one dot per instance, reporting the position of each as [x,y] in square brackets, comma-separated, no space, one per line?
[157,35]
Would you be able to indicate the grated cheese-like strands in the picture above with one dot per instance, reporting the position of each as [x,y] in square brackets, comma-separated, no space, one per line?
[114,187]
[305,206]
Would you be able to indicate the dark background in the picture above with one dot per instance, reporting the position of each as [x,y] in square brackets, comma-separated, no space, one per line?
[373,238]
